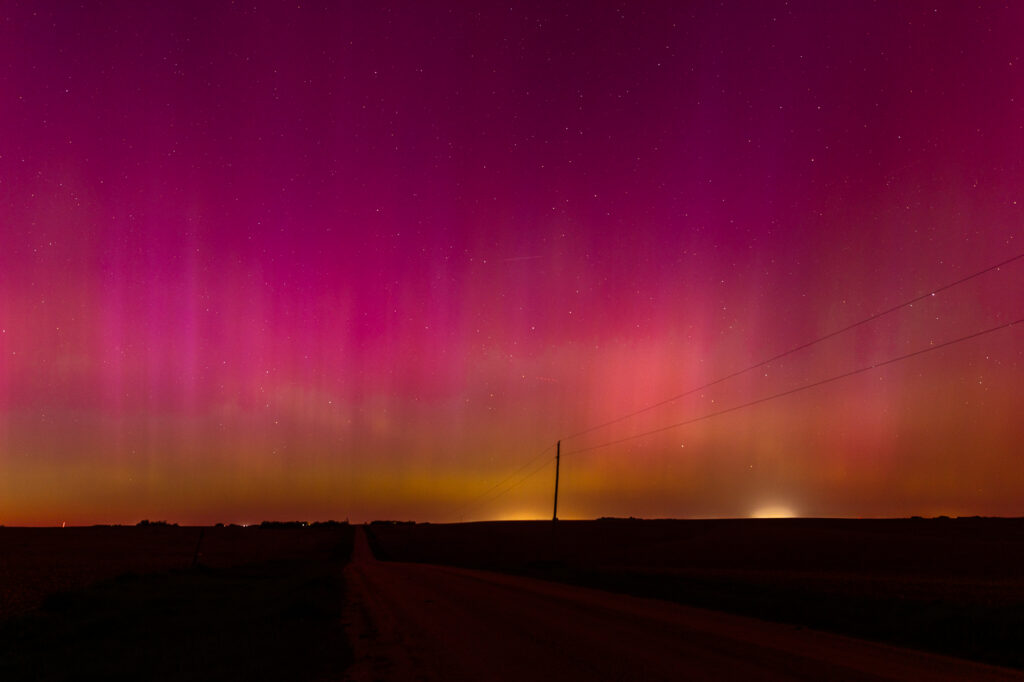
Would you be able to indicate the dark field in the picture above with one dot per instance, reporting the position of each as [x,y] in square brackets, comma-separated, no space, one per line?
[35,562]
[127,603]
[953,586]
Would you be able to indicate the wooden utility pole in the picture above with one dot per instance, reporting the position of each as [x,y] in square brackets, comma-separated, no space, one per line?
[558,457]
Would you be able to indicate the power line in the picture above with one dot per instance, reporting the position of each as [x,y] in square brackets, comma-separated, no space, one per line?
[475,502]
[472,504]
[803,388]
[795,349]
[543,465]
[536,470]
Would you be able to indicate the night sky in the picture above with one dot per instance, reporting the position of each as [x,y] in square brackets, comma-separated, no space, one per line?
[365,260]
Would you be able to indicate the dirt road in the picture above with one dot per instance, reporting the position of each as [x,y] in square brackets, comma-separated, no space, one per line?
[424,622]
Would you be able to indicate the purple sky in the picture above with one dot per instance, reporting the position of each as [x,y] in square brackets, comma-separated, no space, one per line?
[328,260]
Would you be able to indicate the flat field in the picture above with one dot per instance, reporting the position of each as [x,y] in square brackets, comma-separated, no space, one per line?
[953,586]
[36,562]
[127,603]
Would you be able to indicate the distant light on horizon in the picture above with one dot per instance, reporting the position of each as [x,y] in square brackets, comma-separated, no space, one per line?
[521,514]
[774,511]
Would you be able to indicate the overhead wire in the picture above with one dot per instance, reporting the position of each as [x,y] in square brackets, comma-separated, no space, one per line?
[476,501]
[480,499]
[734,408]
[804,387]
[796,349]
[543,465]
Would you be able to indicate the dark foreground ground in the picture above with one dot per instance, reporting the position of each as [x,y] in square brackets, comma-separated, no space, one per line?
[952,586]
[436,623]
[128,604]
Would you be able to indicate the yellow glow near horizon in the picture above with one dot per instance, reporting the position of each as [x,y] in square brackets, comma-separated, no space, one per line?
[773,511]
[521,515]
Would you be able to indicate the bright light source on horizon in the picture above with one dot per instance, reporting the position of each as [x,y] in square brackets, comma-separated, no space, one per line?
[773,511]
[521,515]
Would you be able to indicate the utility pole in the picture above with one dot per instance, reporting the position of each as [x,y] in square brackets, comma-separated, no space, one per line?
[558,457]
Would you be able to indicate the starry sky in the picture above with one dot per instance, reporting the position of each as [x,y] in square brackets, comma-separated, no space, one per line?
[269,260]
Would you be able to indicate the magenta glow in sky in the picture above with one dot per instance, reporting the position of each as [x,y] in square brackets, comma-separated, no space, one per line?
[328,260]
